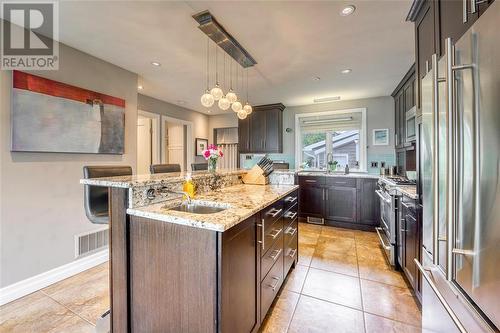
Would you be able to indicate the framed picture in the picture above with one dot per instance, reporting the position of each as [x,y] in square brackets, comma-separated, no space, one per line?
[381,137]
[200,146]
[51,116]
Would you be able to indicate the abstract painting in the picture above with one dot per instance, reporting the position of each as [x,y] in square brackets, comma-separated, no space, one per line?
[381,137]
[50,116]
[200,146]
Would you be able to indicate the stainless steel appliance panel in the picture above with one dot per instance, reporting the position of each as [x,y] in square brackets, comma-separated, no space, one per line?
[477,242]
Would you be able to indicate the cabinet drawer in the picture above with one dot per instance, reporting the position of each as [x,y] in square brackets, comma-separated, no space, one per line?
[341,181]
[270,286]
[271,257]
[290,200]
[290,253]
[311,180]
[271,214]
[271,235]
[290,215]
[291,231]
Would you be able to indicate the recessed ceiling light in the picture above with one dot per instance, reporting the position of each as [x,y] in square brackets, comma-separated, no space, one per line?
[316,78]
[347,10]
[326,99]
[155,63]
[140,87]
[346,71]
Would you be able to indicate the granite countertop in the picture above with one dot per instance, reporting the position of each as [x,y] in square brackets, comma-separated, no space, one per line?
[242,201]
[331,174]
[153,179]
[408,190]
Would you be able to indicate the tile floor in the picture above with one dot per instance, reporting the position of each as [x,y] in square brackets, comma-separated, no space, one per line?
[341,284]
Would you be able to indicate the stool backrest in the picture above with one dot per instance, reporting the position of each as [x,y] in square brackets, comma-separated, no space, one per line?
[164,168]
[199,166]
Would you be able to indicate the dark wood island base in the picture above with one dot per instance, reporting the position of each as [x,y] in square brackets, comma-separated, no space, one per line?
[167,277]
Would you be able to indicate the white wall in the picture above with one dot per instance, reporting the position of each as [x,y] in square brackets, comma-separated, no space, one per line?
[41,200]
[199,120]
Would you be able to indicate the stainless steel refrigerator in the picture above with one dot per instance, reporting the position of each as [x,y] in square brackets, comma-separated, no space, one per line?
[460,170]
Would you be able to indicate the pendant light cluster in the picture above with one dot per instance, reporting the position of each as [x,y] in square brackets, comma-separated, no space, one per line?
[230,99]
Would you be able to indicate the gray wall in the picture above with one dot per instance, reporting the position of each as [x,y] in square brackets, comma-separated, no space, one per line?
[199,120]
[41,200]
[221,121]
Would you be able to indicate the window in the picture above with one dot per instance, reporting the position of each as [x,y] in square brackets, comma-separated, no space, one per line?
[332,138]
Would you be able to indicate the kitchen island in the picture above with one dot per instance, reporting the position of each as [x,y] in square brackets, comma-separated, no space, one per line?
[178,271]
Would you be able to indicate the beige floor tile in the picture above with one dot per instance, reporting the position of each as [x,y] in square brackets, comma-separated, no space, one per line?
[333,232]
[376,324]
[279,317]
[39,313]
[333,287]
[390,302]
[316,316]
[335,262]
[308,238]
[366,237]
[344,246]
[305,254]
[87,293]
[373,266]
[308,227]
[296,278]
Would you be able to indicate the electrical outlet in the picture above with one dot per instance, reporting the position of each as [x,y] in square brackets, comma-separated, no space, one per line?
[382,164]
[248,157]
[374,164]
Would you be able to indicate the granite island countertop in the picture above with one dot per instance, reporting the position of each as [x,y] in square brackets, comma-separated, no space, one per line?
[301,172]
[242,201]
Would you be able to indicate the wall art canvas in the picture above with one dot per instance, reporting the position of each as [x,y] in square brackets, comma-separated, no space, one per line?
[201,145]
[50,116]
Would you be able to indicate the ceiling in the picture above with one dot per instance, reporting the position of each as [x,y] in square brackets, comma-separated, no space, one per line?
[292,42]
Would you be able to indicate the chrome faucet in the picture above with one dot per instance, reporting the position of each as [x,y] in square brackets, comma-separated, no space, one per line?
[183,193]
[151,193]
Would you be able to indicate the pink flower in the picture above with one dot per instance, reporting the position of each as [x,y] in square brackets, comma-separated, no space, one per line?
[220,153]
[206,154]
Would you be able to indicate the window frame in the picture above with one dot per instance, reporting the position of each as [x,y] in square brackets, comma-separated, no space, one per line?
[362,135]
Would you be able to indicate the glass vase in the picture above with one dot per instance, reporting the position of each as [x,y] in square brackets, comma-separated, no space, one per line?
[212,164]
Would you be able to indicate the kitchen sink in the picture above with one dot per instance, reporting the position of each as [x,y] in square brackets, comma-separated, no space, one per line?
[197,208]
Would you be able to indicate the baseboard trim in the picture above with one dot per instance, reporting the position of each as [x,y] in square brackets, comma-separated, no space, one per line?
[37,282]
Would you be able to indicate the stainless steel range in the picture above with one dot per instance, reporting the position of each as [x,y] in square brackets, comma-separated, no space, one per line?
[389,197]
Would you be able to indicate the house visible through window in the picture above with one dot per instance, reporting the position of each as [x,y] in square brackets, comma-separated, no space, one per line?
[332,138]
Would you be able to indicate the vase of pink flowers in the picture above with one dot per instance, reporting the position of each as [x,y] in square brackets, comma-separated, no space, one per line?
[212,154]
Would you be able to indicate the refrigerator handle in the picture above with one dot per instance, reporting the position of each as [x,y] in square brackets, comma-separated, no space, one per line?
[440,297]
[464,11]
[435,159]
[452,154]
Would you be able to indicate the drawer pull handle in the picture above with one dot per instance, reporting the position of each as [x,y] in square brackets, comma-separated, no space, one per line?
[291,215]
[262,234]
[310,181]
[276,256]
[276,233]
[291,231]
[290,199]
[274,212]
[292,253]
[273,286]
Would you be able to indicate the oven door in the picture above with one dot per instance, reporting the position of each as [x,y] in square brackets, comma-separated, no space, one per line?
[386,232]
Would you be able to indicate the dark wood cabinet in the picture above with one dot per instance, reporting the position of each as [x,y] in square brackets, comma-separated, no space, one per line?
[404,101]
[340,203]
[262,131]
[368,205]
[239,310]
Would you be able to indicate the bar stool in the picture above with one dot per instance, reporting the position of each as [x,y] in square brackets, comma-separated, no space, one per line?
[97,211]
[164,168]
[199,166]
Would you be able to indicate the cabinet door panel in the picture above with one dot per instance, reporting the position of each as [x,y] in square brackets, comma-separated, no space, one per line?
[243,135]
[451,21]
[369,204]
[411,241]
[239,276]
[272,141]
[311,201]
[340,204]
[257,131]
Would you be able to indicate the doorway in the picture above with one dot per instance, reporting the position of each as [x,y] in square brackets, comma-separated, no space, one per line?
[177,142]
[148,137]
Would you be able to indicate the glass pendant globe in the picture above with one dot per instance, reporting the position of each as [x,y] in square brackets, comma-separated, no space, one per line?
[207,100]
[224,103]
[231,97]
[217,92]
[247,108]
[242,114]
[236,106]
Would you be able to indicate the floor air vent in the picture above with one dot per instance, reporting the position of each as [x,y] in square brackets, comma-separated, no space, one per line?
[91,242]
[315,220]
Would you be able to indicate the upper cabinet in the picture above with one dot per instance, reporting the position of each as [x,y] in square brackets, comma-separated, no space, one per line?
[262,131]
[404,102]
[436,20]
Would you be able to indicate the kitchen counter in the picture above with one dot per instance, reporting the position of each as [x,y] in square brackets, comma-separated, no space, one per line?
[408,190]
[301,172]
[242,201]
